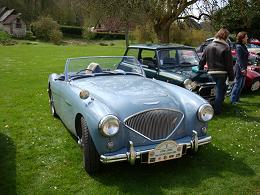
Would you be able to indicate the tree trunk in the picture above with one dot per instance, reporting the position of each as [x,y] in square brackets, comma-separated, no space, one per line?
[162,31]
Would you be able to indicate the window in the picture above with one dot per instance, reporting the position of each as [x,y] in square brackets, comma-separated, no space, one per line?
[18,23]
[133,52]
[148,53]
[148,58]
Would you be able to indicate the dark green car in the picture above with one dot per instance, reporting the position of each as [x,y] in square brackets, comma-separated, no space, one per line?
[176,64]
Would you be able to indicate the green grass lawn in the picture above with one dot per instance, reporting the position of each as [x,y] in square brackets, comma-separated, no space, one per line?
[39,156]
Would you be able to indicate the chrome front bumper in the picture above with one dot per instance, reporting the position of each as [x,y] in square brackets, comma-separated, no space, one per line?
[132,155]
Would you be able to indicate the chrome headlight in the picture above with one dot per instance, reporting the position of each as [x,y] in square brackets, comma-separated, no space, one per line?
[190,85]
[109,125]
[205,112]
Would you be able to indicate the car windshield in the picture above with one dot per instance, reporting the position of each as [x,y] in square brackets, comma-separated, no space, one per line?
[252,45]
[101,65]
[170,58]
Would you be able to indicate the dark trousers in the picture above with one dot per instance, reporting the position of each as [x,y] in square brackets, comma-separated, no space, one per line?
[221,88]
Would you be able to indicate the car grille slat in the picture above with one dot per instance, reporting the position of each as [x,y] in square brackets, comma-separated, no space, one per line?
[154,124]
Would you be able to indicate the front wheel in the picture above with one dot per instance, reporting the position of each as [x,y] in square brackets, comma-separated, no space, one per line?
[255,85]
[91,160]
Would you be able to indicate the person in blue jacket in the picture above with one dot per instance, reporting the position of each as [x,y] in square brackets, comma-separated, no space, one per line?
[240,67]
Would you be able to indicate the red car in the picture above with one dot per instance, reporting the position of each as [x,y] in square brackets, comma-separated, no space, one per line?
[254,47]
[253,72]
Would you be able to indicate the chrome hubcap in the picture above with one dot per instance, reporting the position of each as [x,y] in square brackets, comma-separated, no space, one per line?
[255,86]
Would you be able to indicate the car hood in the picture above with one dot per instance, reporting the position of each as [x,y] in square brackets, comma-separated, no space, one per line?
[128,93]
[187,73]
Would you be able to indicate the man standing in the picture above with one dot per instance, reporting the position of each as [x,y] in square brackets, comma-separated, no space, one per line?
[217,56]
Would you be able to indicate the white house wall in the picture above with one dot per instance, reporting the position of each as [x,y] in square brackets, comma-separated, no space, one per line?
[19,32]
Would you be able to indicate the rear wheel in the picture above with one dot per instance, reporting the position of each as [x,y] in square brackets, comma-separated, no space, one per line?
[91,160]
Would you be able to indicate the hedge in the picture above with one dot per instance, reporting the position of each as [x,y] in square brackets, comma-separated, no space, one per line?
[72,30]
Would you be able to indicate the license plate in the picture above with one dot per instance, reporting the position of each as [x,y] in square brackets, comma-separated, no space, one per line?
[166,150]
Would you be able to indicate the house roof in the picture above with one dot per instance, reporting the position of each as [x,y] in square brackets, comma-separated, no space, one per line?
[6,14]
[11,18]
[3,10]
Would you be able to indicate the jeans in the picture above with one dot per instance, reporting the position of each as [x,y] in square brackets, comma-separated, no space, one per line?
[221,88]
[237,88]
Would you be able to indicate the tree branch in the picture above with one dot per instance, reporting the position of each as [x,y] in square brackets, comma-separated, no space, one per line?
[196,18]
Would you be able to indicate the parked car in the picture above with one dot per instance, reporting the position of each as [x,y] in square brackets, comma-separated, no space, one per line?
[252,76]
[117,114]
[254,61]
[200,49]
[174,64]
[254,47]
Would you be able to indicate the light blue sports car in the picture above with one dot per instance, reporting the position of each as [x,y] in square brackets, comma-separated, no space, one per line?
[118,114]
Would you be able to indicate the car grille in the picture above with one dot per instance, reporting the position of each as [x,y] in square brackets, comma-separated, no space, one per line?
[155,124]
[206,91]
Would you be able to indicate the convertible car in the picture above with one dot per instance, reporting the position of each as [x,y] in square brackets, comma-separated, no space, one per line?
[117,114]
[174,64]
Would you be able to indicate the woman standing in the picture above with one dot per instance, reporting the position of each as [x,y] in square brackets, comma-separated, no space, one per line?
[240,66]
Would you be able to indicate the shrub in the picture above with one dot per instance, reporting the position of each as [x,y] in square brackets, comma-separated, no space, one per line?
[43,27]
[188,36]
[30,36]
[5,39]
[56,37]
[89,35]
[4,36]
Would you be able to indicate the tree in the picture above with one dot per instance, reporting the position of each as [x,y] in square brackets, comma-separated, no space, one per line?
[239,15]
[163,13]
[234,16]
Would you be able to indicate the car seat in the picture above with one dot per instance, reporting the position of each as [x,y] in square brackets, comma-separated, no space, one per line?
[94,68]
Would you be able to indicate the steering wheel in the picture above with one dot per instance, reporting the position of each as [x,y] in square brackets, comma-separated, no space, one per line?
[84,70]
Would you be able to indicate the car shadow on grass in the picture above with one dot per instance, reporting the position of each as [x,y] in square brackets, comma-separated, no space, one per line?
[7,165]
[188,171]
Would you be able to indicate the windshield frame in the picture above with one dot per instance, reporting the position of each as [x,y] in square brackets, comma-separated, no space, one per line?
[69,75]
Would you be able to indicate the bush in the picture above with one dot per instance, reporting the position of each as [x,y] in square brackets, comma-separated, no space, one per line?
[89,35]
[188,36]
[44,27]
[5,39]
[4,36]
[30,36]
[56,37]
